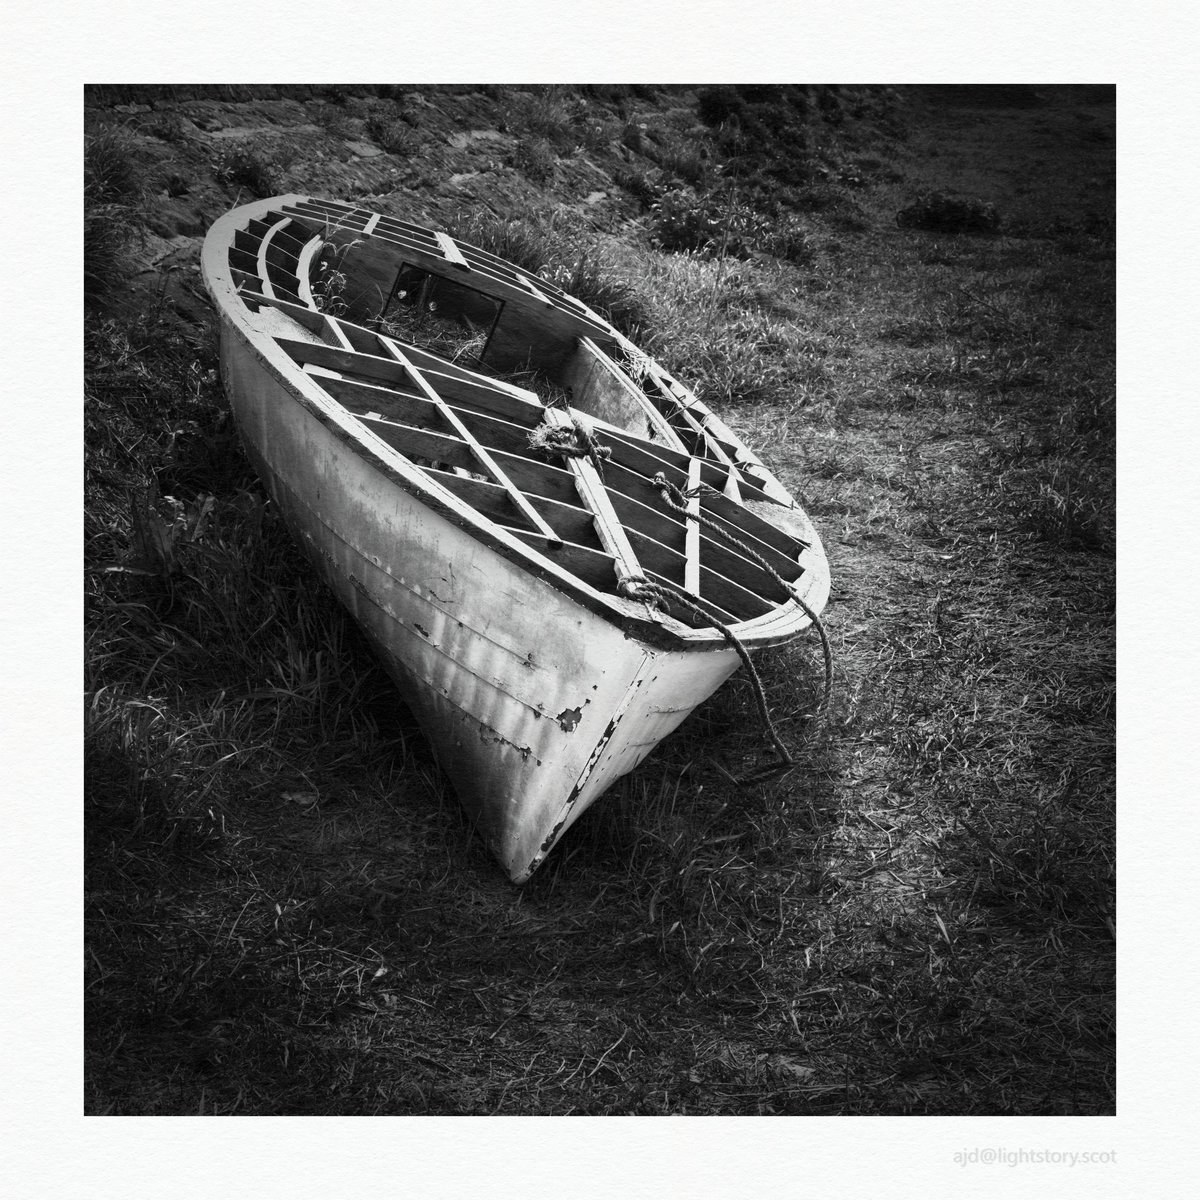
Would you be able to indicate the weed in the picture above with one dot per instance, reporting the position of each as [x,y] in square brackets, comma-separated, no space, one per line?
[789,239]
[110,172]
[765,129]
[242,167]
[566,122]
[534,158]
[646,186]
[170,126]
[393,135]
[708,222]
[688,161]
[329,279]
[336,121]
[721,222]
[717,105]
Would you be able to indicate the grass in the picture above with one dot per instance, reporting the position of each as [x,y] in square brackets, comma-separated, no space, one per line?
[534,158]
[113,195]
[565,121]
[287,913]
[245,167]
[557,246]
[393,134]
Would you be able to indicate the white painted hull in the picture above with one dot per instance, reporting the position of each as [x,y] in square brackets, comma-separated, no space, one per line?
[537,688]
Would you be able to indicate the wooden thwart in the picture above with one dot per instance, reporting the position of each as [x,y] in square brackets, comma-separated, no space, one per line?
[691,541]
[594,495]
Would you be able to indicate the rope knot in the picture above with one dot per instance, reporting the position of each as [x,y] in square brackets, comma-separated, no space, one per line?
[574,441]
[676,497]
[637,587]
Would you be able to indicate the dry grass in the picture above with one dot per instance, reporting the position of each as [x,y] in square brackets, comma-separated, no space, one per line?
[286,911]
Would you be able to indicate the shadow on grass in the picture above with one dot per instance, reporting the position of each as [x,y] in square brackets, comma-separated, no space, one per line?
[370,957]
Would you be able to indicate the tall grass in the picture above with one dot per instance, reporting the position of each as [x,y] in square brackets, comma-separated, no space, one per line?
[113,199]
[555,245]
[565,120]
[392,133]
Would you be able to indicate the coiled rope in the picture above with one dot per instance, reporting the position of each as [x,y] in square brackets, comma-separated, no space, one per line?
[577,441]
[658,595]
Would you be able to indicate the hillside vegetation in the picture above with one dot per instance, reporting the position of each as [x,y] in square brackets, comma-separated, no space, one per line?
[903,299]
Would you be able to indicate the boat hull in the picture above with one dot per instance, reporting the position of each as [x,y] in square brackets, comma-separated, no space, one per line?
[534,704]
[545,610]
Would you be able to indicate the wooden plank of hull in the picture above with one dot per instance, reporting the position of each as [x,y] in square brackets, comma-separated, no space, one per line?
[644,708]
[534,705]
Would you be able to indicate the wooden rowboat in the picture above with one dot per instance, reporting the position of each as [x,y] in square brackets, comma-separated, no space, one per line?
[544,581]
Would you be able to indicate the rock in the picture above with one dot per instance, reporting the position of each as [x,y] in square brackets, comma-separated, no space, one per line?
[460,141]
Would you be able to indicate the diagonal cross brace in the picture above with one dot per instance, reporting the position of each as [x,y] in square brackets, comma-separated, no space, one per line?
[476,447]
